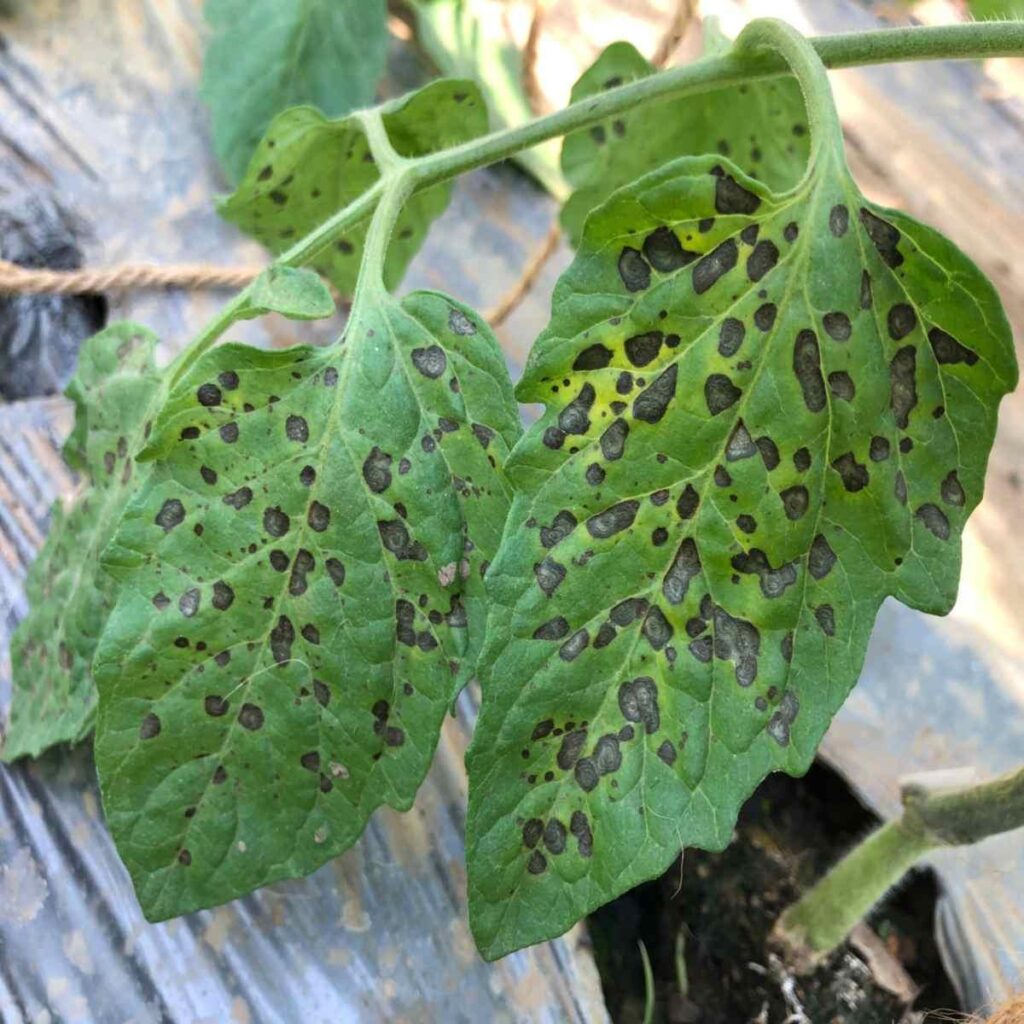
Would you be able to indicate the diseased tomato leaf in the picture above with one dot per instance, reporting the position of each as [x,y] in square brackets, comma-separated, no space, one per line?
[308,167]
[468,39]
[116,389]
[268,55]
[300,596]
[765,414]
[760,125]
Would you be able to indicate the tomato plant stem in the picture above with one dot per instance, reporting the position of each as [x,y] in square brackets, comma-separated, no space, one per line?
[826,914]
[742,64]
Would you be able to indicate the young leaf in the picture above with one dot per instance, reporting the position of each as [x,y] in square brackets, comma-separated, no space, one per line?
[464,38]
[762,126]
[294,292]
[268,55]
[296,579]
[309,166]
[116,389]
[766,413]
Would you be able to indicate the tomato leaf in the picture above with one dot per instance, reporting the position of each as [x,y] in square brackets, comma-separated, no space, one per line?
[116,389]
[467,39]
[294,292]
[765,414]
[308,166]
[300,596]
[268,55]
[760,125]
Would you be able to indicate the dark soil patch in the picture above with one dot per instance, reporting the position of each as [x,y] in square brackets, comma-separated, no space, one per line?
[714,913]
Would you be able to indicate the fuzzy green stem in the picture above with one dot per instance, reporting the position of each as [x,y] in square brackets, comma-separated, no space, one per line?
[772,36]
[822,918]
[826,914]
[976,40]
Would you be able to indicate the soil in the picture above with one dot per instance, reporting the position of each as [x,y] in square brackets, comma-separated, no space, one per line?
[714,912]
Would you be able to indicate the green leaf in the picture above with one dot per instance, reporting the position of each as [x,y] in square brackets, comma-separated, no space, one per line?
[464,39]
[989,10]
[115,389]
[765,414]
[296,293]
[268,55]
[762,126]
[296,578]
[308,167]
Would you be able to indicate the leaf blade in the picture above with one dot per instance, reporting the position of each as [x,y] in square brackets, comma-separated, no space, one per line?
[309,166]
[116,388]
[290,56]
[674,613]
[310,545]
[764,124]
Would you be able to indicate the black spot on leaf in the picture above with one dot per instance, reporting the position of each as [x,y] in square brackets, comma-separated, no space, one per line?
[553,629]
[171,514]
[549,574]
[948,350]
[731,197]
[854,474]
[688,501]
[884,237]
[650,404]
[595,357]
[613,520]
[663,251]
[276,522]
[807,367]
[377,470]
[714,265]
[903,384]
[430,361]
[150,727]
[642,349]
[795,501]
[561,526]
[633,269]
[730,336]
[251,717]
[208,395]
[762,259]
[901,321]
[934,520]
[720,393]
[951,490]
[638,702]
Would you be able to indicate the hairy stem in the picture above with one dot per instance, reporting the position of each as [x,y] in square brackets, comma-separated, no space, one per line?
[975,40]
[825,915]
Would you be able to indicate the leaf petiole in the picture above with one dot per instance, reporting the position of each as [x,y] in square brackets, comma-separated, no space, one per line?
[967,41]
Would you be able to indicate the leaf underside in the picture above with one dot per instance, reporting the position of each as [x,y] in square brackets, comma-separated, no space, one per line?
[765,414]
[307,167]
[467,38]
[115,390]
[760,125]
[300,597]
[268,55]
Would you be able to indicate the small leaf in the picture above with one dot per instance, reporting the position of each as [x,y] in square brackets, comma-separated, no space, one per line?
[464,38]
[115,389]
[296,293]
[761,126]
[268,55]
[308,167]
[300,596]
[765,414]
